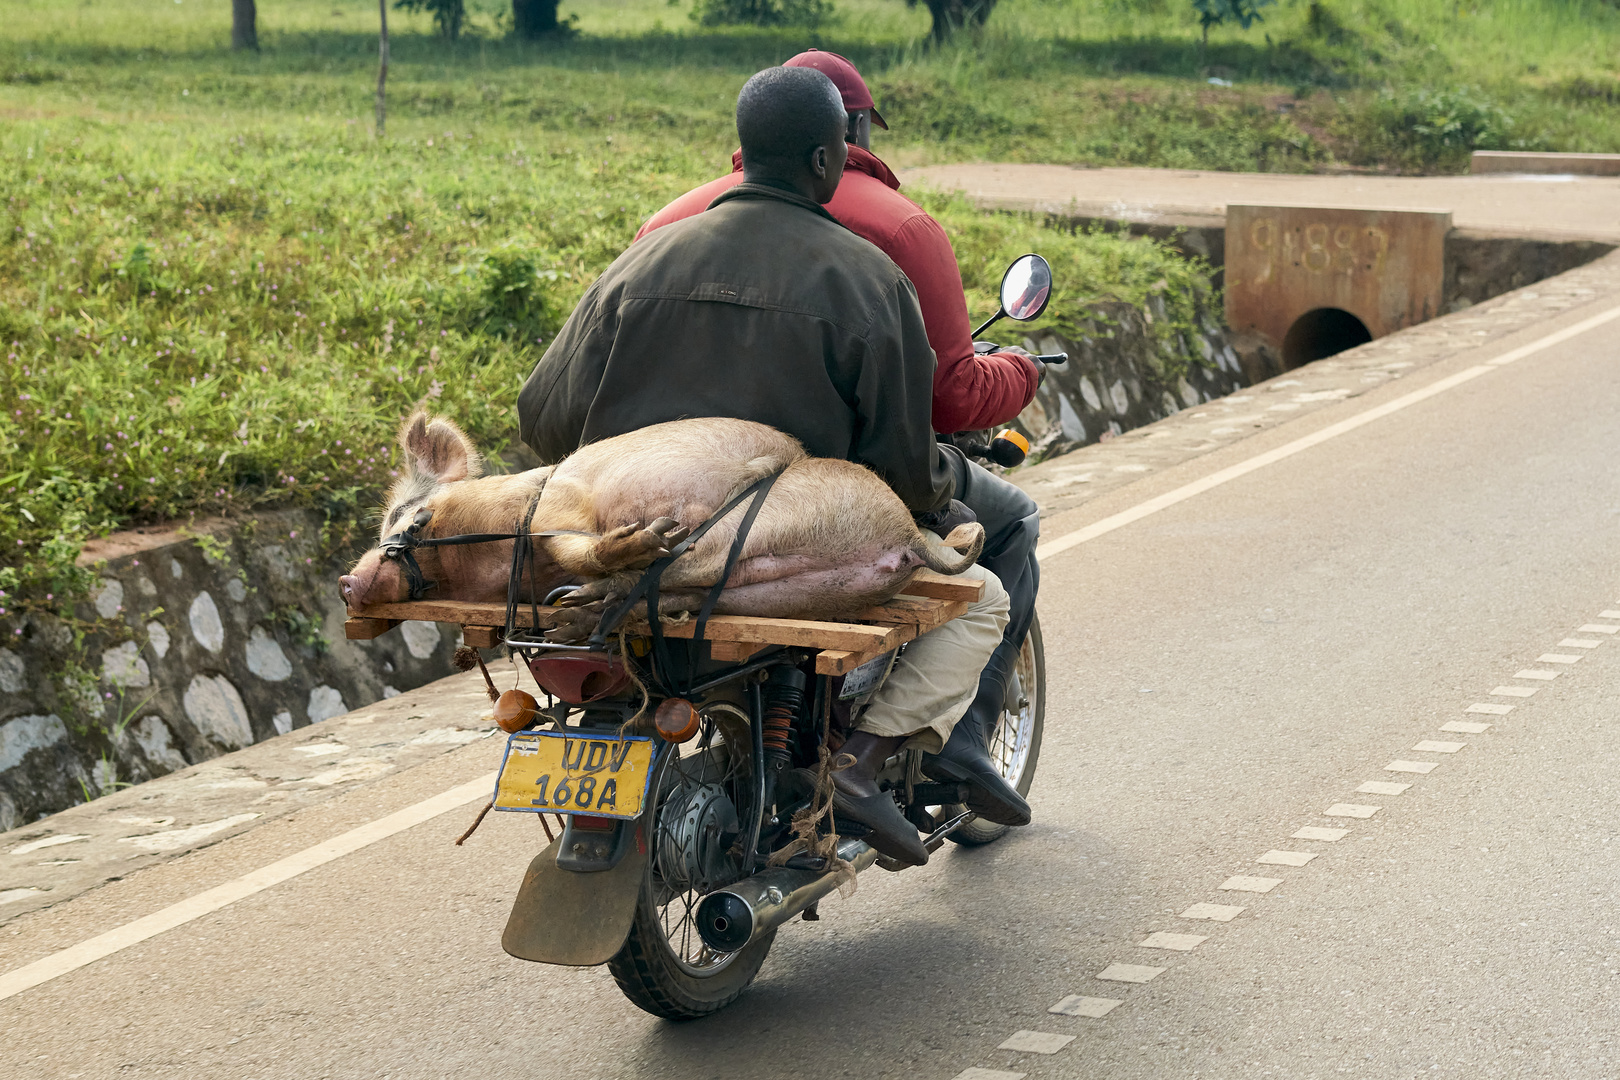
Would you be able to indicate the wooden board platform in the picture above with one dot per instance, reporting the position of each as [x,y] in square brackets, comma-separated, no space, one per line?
[927,601]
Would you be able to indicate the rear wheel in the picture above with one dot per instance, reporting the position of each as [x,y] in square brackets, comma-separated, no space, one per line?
[1015,745]
[665,967]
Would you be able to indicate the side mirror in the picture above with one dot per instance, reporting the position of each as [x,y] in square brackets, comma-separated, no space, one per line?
[1026,288]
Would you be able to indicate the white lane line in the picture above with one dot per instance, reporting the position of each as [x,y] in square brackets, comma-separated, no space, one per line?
[1465,727]
[1331,836]
[1422,768]
[1381,787]
[1076,1005]
[1240,883]
[1345,809]
[1131,973]
[195,907]
[1489,708]
[1514,691]
[1557,658]
[1243,468]
[1176,942]
[1036,1042]
[1533,673]
[1286,858]
[1609,614]
[1580,643]
[1270,457]
[1216,912]
[1598,628]
[1429,746]
[1557,338]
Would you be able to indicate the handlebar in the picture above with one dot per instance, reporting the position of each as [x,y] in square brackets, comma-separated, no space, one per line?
[1056,359]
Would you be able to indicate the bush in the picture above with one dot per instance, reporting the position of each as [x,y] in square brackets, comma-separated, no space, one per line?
[1424,130]
[762,12]
[448,15]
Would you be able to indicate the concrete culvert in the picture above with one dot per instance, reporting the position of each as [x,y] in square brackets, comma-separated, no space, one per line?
[1320,333]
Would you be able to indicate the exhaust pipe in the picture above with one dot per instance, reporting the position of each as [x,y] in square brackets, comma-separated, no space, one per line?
[732,918]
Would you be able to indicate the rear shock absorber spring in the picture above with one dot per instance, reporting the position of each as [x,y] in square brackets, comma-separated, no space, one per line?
[784,704]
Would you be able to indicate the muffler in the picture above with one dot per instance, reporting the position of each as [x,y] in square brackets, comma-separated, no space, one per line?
[730,919]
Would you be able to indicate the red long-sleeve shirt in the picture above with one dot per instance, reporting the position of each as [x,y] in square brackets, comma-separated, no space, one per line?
[970,392]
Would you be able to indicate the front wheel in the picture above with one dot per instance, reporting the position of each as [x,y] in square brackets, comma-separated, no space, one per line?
[1015,745]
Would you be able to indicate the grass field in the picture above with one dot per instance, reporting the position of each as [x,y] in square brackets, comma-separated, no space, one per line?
[218,289]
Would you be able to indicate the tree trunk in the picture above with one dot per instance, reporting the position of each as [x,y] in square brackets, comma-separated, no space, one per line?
[382,69]
[534,18]
[244,25]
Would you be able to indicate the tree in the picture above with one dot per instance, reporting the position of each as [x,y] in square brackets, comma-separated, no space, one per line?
[953,15]
[534,18]
[244,25]
[1216,12]
[448,15]
[382,68]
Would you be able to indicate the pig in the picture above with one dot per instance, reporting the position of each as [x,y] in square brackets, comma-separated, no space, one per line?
[831,538]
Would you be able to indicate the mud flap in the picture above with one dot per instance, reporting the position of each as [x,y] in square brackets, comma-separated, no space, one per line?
[564,917]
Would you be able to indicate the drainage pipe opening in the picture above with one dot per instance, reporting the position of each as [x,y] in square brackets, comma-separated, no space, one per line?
[1322,333]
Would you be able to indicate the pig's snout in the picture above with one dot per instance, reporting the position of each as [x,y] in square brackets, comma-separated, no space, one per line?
[348,585]
[373,580]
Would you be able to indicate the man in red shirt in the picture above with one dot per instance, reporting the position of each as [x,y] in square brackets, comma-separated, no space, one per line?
[971,391]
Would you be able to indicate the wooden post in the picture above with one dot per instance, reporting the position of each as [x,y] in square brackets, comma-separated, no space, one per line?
[382,69]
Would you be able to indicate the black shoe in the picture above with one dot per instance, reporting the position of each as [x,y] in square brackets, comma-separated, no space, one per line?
[887,828]
[966,760]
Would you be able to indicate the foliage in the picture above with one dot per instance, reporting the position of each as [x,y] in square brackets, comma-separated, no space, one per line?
[1424,129]
[448,15]
[1220,12]
[761,12]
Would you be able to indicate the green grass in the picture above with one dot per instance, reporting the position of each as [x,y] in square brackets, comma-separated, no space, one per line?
[218,290]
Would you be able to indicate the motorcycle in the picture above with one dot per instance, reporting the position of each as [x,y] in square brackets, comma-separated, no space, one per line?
[688,842]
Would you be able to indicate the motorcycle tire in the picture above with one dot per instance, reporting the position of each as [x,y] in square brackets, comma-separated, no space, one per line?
[1016,743]
[656,982]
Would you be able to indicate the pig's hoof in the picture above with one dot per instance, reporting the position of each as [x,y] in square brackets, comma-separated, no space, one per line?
[570,625]
[591,593]
[671,530]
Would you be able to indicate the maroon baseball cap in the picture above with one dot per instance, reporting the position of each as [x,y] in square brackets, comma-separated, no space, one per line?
[844,76]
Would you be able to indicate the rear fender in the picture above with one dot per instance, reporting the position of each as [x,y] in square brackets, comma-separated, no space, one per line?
[578,919]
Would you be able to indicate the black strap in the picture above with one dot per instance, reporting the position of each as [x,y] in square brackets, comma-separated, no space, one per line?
[647,587]
[522,558]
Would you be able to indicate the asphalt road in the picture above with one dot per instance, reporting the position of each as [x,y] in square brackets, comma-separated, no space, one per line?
[1221,673]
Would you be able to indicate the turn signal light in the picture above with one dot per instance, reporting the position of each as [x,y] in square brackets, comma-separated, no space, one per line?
[676,720]
[514,711]
[1009,449]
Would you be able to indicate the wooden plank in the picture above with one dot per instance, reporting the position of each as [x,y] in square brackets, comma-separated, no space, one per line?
[482,637]
[464,612]
[363,629]
[943,586]
[815,635]
[734,652]
[838,662]
[922,612]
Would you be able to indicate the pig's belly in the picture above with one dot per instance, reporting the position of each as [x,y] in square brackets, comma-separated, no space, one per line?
[804,586]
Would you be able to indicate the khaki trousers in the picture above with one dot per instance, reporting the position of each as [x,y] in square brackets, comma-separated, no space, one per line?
[935,679]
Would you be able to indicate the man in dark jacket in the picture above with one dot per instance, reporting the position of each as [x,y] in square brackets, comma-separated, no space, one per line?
[766,309]
[971,391]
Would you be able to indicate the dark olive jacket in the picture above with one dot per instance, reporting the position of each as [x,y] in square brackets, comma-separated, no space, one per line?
[764,309]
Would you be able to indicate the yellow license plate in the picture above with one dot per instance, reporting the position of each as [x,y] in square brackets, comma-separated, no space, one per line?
[575,774]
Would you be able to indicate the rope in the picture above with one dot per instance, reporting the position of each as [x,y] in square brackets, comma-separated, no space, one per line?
[806,823]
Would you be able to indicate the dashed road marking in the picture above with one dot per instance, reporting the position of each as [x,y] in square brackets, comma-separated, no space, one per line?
[1609,614]
[1036,1042]
[1557,658]
[1221,912]
[988,1074]
[1240,883]
[1429,746]
[1380,787]
[1130,973]
[1489,708]
[1422,768]
[1316,832]
[1598,628]
[1163,939]
[1515,691]
[1075,1005]
[1533,673]
[1355,810]
[1286,858]
[1580,643]
[1465,727]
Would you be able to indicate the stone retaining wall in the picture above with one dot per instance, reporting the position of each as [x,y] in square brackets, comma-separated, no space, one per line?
[196,642]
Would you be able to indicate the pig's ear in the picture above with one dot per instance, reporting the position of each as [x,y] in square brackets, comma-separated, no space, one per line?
[436,448]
